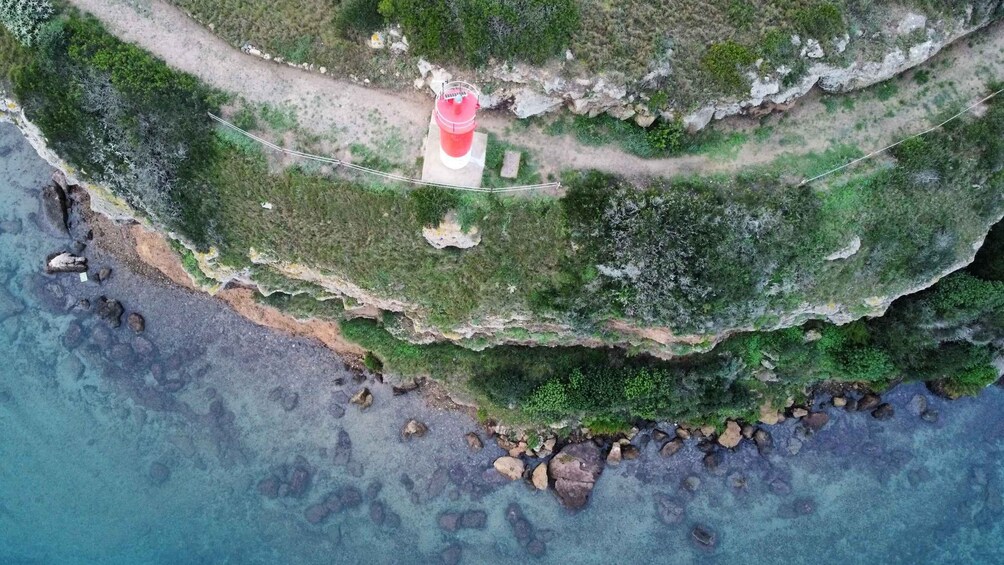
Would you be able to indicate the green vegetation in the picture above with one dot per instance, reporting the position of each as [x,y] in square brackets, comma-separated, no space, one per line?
[701,255]
[477,30]
[191,265]
[727,63]
[25,18]
[305,306]
[820,21]
[632,37]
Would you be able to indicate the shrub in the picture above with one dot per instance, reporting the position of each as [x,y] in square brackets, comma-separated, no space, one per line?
[372,362]
[24,18]
[821,21]
[477,30]
[667,136]
[359,17]
[971,381]
[726,63]
[550,400]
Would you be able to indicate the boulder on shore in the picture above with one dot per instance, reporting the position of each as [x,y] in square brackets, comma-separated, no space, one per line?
[731,436]
[575,470]
[509,467]
[414,428]
[65,263]
[55,208]
[539,477]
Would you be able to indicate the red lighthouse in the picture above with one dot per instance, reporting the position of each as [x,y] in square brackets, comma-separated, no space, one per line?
[456,115]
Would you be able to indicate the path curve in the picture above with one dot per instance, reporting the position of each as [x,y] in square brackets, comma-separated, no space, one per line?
[355,113]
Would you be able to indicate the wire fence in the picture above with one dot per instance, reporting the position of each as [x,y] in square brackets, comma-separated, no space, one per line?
[378,173]
[961,113]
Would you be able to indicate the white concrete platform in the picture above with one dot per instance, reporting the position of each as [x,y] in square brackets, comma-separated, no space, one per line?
[434,170]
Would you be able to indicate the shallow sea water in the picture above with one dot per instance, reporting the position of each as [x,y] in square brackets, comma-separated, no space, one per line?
[82,426]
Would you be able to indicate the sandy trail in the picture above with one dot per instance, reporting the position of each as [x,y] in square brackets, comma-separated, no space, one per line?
[354,113]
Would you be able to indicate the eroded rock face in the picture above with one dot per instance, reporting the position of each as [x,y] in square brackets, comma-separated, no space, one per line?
[575,470]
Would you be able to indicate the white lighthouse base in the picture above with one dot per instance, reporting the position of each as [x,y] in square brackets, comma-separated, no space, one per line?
[455,163]
[462,171]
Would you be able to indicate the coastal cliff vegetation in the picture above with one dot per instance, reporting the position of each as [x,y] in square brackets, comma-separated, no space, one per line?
[706,255]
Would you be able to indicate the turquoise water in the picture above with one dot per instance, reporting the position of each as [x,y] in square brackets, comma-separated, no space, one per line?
[101,462]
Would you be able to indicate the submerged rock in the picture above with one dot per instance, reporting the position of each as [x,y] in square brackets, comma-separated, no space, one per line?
[110,311]
[269,487]
[474,442]
[868,402]
[159,473]
[703,536]
[815,421]
[136,322]
[363,399]
[884,411]
[575,470]
[918,405]
[671,447]
[764,442]
[670,510]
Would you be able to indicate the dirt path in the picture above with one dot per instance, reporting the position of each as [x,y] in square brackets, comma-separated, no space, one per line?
[352,113]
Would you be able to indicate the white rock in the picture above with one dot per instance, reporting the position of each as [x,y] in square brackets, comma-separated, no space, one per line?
[840,44]
[911,23]
[622,112]
[438,78]
[763,87]
[568,55]
[419,83]
[699,119]
[796,40]
[644,120]
[267,205]
[847,251]
[424,67]
[399,47]
[813,49]
[529,102]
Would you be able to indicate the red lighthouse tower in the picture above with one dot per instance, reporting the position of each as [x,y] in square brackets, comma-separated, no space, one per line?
[456,115]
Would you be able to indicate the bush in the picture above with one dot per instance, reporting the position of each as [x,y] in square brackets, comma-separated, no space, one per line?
[477,30]
[822,21]
[359,17]
[127,119]
[971,381]
[667,136]
[726,63]
[24,18]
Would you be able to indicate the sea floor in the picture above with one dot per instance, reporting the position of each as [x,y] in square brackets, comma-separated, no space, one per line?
[159,448]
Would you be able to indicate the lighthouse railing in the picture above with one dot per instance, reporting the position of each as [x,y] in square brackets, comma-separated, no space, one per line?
[378,173]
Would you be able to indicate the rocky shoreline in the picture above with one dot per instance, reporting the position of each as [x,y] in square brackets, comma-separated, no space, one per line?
[569,468]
